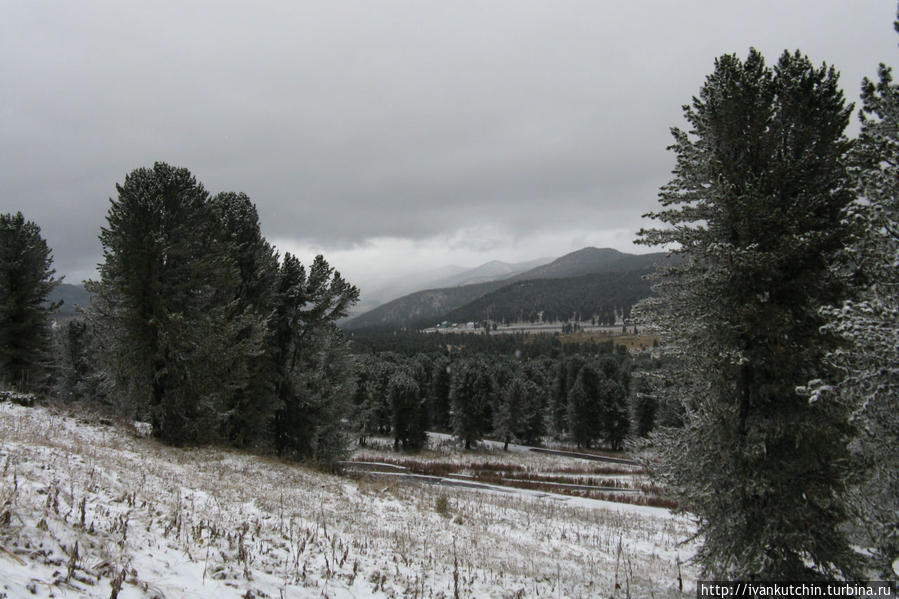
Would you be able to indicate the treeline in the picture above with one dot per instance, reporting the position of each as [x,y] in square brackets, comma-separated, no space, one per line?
[196,324]
[601,297]
[589,400]
[375,340]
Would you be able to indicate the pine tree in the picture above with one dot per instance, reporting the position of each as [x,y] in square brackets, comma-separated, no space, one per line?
[78,376]
[585,407]
[409,411]
[26,278]
[471,395]
[171,344]
[364,401]
[643,407]
[754,209]
[440,394]
[253,402]
[509,415]
[869,323]
[321,383]
[313,372]
[615,415]
[534,417]
[558,414]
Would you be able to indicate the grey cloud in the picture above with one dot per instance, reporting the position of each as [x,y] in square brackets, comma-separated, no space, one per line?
[350,121]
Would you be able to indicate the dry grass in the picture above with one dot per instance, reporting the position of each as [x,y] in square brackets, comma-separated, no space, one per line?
[538,472]
[631,342]
[89,507]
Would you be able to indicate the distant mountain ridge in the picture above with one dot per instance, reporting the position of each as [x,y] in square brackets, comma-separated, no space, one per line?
[588,261]
[495,270]
[72,296]
[424,308]
[446,276]
[603,297]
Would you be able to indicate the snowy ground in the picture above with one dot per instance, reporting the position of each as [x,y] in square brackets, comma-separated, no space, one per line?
[84,506]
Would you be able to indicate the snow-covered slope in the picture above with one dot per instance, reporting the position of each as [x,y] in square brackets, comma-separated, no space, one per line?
[84,506]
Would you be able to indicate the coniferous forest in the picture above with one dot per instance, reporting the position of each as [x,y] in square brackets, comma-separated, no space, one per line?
[769,409]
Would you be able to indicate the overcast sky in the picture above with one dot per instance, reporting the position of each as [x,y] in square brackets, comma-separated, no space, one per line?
[391,136]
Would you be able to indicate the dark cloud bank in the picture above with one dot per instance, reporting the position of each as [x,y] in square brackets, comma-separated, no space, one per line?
[453,131]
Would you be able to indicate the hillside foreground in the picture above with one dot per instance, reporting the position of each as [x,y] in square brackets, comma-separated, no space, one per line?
[87,508]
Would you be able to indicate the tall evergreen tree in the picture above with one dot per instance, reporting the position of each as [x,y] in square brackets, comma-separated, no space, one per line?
[254,401]
[510,413]
[539,384]
[440,394]
[171,343]
[869,323]
[78,376]
[615,414]
[312,423]
[643,407]
[26,278]
[365,398]
[310,357]
[558,415]
[585,408]
[755,210]
[409,411]
[471,395]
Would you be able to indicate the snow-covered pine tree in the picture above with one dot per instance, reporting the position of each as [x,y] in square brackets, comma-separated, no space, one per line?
[509,414]
[172,347]
[409,411]
[252,404]
[869,362]
[585,407]
[367,402]
[313,372]
[558,399]
[78,376]
[322,383]
[26,278]
[471,394]
[439,394]
[615,413]
[534,416]
[754,209]
[643,405]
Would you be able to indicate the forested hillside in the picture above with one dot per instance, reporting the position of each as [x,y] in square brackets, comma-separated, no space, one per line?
[513,299]
[598,296]
[422,308]
[591,260]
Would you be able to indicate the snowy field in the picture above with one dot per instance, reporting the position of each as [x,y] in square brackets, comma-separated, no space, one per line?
[87,509]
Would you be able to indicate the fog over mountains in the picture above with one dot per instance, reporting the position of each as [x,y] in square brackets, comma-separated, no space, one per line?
[425,307]
[447,276]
